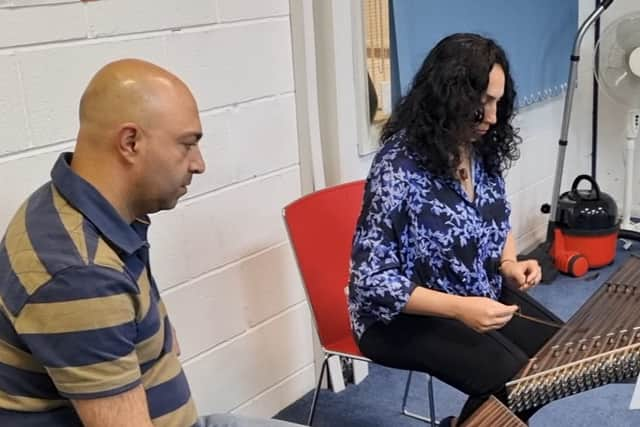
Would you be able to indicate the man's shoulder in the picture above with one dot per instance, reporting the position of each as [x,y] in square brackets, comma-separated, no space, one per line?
[48,238]
[46,230]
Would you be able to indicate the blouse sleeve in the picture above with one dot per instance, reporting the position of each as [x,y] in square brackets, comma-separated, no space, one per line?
[378,285]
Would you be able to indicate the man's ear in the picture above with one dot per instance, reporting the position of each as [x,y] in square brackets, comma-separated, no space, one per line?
[129,137]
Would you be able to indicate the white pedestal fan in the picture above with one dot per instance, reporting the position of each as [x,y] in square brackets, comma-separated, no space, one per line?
[619,78]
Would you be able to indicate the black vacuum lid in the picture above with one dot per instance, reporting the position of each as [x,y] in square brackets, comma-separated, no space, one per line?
[586,209]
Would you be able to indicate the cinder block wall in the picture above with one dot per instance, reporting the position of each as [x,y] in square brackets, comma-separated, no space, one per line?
[221,257]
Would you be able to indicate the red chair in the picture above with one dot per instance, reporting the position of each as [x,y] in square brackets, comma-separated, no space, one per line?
[321,227]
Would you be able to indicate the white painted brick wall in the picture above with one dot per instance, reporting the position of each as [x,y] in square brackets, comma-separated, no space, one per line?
[110,17]
[42,24]
[221,258]
[259,285]
[235,10]
[54,78]
[277,397]
[24,3]
[267,279]
[14,132]
[232,63]
[218,152]
[21,175]
[271,120]
[248,365]
[214,303]
[238,221]
[529,181]
[169,248]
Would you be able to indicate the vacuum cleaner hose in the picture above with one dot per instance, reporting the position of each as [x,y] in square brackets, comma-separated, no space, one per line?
[629,234]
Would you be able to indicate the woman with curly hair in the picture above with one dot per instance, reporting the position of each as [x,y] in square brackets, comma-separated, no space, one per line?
[435,281]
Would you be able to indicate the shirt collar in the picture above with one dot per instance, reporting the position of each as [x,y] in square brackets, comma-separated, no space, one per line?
[87,199]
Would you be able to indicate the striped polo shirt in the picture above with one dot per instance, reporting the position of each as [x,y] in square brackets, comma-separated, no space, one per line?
[80,314]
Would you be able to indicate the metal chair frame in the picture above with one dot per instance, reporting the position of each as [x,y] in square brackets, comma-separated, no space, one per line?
[431,419]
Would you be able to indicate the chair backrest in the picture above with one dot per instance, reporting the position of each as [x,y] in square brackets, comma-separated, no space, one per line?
[321,227]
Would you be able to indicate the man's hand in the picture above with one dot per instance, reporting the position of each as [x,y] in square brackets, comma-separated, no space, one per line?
[484,314]
[521,274]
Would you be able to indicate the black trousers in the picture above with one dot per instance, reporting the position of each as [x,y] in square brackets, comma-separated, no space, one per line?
[474,363]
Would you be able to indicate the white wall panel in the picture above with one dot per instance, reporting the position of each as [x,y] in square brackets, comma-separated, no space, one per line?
[247,366]
[123,16]
[218,151]
[264,136]
[31,25]
[280,396]
[271,283]
[238,221]
[234,10]
[14,133]
[235,63]
[25,175]
[207,311]
[54,79]
[170,248]
[24,3]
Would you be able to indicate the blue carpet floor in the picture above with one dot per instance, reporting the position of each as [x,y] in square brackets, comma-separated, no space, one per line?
[376,402]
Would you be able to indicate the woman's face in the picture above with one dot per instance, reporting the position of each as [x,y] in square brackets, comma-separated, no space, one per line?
[490,98]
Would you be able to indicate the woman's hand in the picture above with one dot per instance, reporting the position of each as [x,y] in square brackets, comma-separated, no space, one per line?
[484,314]
[521,274]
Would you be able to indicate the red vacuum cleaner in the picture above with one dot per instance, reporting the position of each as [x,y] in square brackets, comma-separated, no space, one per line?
[586,229]
[583,227]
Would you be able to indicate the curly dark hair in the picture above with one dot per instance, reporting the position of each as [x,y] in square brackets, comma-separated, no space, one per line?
[442,108]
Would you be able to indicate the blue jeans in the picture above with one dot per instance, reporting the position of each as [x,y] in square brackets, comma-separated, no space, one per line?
[231,420]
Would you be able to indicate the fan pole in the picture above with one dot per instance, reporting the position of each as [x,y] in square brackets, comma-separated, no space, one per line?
[566,114]
[633,125]
[626,203]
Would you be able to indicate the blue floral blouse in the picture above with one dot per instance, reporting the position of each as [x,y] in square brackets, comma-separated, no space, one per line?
[419,229]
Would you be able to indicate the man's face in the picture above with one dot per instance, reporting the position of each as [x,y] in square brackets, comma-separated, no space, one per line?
[490,99]
[172,153]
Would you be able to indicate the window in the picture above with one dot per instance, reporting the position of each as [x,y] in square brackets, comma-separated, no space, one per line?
[376,26]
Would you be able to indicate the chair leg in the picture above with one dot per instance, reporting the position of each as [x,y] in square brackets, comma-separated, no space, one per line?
[431,419]
[316,392]
[432,403]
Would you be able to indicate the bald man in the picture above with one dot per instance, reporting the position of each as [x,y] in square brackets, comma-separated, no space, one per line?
[84,335]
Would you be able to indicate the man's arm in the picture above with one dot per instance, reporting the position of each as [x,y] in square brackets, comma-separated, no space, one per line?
[128,409]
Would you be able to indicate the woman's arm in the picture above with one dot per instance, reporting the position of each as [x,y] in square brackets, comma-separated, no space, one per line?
[479,313]
[522,274]
[510,252]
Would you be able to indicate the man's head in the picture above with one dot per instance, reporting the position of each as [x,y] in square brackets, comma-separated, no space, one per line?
[138,137]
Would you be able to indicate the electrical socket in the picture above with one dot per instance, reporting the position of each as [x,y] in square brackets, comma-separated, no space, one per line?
[633,124]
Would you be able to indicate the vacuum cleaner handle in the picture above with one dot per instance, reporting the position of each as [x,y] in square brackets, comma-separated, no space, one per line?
[594,186]
[606,3]
[566,113]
